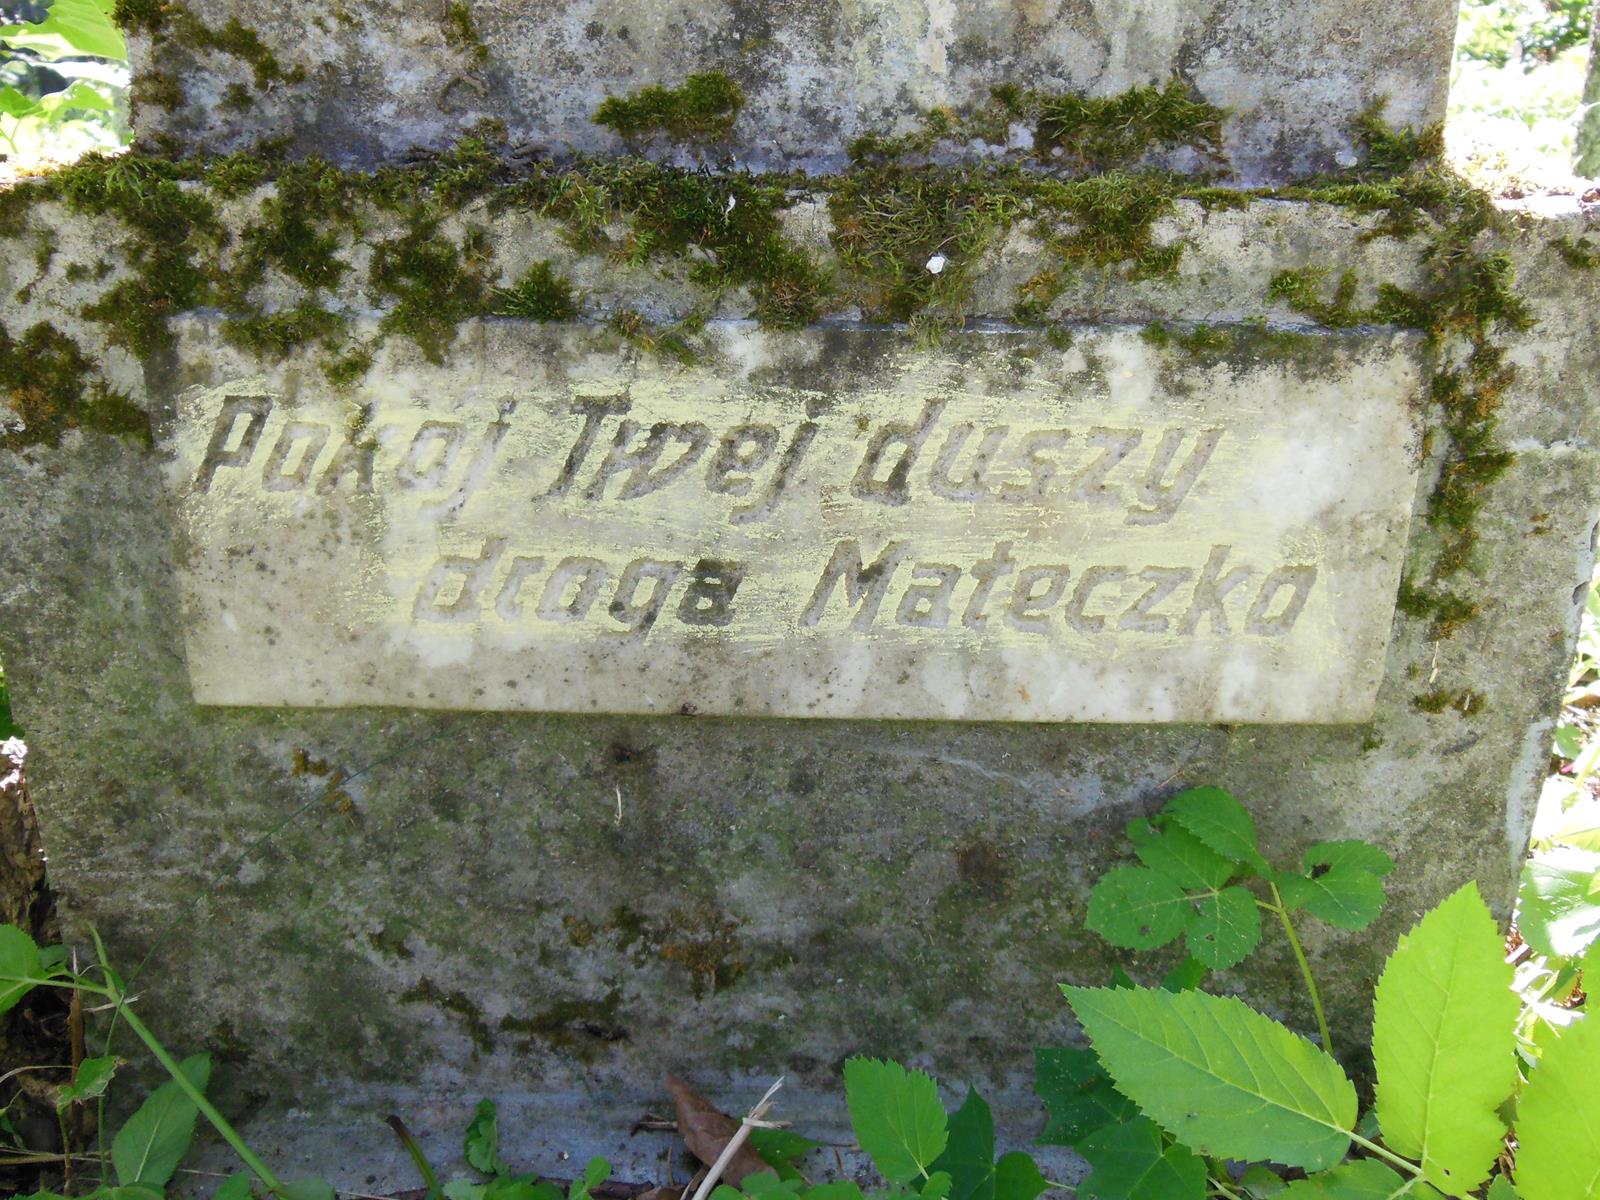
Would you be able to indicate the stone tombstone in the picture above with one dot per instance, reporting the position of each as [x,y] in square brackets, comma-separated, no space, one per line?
[537,707]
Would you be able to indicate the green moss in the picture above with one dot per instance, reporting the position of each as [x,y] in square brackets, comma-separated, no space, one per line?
[1391,151]
[457,1002]
[676,343]
[433,282]
[348,369]
[703,108]
[1070,132]
[580,1025]
[141,16]
[234,39]
[47,380]
[1464,701]
[278,334]
[1580,255]
[237,98]
[1102,133]
[461,32]
[540,295]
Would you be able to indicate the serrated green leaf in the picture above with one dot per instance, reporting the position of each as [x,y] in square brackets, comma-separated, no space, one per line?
[1137,909]
[938,1186]
[149,1147]
[93,1076]
[1558,1119]
[1222,1079]
[1364,1179]
[1130,1162]
[481,1146]
[1184,859]
[1220,821]
[464,1189]
[1444,1043]
[1223,928]
[1078,1094]
[968,1156]
[1190,973]
[237,1187]
[1342,883]
[1017,1177]
[1501,1189]
[897,1117]
[19,966]
[1558,912]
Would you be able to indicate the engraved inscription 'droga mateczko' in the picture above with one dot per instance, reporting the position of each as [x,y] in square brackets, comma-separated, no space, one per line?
[997,531]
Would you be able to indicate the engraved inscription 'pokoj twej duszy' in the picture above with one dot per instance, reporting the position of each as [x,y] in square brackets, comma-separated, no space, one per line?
[831,523]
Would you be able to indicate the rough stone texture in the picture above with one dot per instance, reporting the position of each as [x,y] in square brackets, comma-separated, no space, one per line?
[995,529]
[556,910]
[383,76]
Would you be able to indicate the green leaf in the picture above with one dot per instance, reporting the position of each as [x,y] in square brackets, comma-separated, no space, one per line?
[1261,1183]
[307,1189]
[1220,821]
[1137,908]
[1364,1179]
[968,1155]
[1558,910]
[1558,1119]
[464,1189]
[1223,928]
[841,1189]
[481,1147]
[1017,1177]
[1342,883]
[1444,1043]
[70,28]
[19,966]
[91,1080]
[938,1186]
[596,1172]
[1184,859]
[1078,1093]
[896,1115]
[781,1144]
[16,103]
[1190,973]
[1501,1189]
[132,1191]
[1224,1080]
[149,1147]
[1130,1163]
[237,1187]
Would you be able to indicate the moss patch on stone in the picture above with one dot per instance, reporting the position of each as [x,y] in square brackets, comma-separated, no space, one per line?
[542,294]
[47,379]
[702,108]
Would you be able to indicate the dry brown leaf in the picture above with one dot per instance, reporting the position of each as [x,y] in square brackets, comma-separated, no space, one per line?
[705,1129]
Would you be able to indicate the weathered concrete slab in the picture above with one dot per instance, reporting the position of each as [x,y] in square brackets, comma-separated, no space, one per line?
[555,909]
[378,77]
[838,523]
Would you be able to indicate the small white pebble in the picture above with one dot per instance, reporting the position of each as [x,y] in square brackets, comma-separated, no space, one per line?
[1345,158]
[936,264]
[732,200]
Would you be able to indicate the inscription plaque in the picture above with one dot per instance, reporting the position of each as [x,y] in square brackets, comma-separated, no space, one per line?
[831,523]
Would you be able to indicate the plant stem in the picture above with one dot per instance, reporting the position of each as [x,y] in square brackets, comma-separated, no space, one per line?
[1223,1188]
[1305,967]
[197,1097]
[1387,1156]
